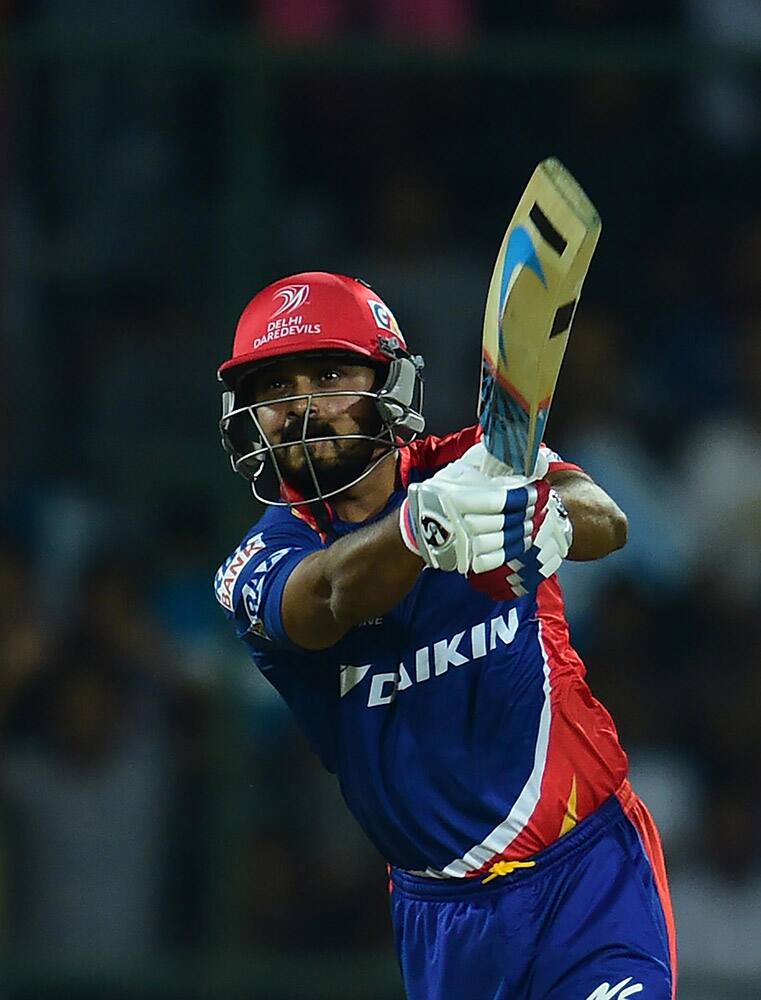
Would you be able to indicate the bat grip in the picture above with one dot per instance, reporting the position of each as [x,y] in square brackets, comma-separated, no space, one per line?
[492,467]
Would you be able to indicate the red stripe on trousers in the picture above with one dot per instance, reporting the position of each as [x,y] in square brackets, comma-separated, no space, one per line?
[639,815]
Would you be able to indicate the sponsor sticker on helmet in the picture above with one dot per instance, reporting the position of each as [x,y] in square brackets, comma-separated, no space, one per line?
[383,316]
[291,297]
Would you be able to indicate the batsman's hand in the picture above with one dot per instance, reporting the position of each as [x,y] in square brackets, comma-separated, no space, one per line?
[532,540]
[461,519]
[506,534]
[533,550]
[441,519]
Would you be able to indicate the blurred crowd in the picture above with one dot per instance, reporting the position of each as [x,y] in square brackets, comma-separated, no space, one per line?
[154,795]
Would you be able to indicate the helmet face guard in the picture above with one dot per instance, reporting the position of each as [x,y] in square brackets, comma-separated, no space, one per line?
[398,403]
[308,314]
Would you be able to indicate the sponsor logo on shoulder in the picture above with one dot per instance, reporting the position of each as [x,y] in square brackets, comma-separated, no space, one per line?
[252,590]
[620,991]
[231,569]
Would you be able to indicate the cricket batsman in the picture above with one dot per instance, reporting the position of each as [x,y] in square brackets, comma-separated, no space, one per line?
[406,607]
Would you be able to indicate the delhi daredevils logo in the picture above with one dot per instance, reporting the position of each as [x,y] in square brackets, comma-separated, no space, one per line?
[293,296]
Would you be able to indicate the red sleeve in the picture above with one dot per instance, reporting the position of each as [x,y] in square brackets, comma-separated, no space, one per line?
[557,464]
[430,453]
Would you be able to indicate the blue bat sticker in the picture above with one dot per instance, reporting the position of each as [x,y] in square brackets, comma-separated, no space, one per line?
[520,252]
[504,421]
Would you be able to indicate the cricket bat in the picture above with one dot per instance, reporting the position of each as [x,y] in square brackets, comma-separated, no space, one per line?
[532,300]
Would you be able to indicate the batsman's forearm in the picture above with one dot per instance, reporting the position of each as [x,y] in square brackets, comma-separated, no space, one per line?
[599,524]
[360,576]
[370,571]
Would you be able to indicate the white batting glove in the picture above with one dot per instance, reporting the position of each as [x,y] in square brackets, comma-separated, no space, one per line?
[548,535]
[536,537]
[505,533]
[491,469]
[432,522]
[455,519]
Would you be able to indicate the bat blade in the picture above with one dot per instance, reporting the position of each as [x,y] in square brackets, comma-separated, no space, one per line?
[530,306]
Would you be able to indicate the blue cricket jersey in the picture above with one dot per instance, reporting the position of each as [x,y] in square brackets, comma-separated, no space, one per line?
[461,730]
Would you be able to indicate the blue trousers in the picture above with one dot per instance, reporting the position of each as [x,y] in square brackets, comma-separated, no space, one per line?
[586,922]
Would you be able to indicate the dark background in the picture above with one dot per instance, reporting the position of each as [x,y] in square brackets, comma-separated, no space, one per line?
[165,832]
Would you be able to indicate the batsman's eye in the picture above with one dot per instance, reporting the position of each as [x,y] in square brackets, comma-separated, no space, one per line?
[331,375]
[273,388]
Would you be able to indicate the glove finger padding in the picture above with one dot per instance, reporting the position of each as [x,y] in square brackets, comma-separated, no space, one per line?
[523,569]
[485,543]
[447,524]
[461,519]
[486,562]
[483,524]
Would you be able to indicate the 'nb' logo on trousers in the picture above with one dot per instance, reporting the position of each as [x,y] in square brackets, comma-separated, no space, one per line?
[620,991]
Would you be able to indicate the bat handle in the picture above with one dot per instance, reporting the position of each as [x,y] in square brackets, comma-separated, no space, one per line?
[492,467]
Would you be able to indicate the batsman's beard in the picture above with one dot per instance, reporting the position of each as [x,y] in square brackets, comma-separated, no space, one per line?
[332,464]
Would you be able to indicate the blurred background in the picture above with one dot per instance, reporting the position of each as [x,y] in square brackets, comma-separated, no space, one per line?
[164,831]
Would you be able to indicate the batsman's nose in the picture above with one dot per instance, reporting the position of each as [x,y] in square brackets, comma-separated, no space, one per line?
[301,407]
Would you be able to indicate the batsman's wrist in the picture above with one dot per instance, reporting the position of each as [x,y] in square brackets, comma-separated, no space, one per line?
[407,528]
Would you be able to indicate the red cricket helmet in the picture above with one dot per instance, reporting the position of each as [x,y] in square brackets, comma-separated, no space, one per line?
[313,312]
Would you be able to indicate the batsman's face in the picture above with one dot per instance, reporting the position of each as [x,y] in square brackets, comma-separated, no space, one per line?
[322,416]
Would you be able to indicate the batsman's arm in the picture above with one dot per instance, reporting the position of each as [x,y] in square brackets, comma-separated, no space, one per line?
[599,524]
[360,576]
